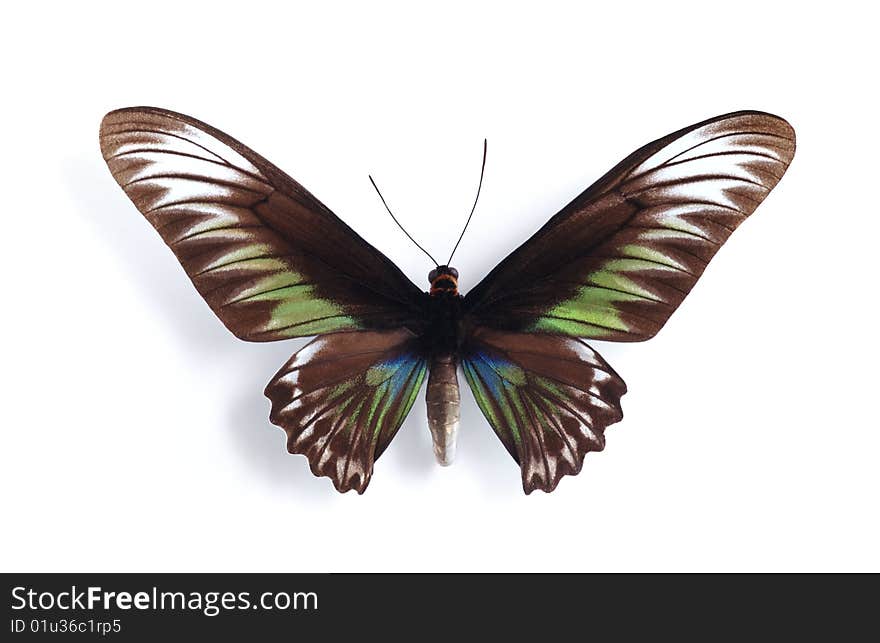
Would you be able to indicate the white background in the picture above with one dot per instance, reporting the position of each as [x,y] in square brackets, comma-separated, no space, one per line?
[135,433]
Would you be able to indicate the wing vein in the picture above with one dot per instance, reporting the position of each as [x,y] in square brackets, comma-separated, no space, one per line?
[719,137]
[172,134]
[220,162]
[201,179]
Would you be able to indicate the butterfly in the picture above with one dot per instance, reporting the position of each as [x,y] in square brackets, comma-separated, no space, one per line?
[274,263]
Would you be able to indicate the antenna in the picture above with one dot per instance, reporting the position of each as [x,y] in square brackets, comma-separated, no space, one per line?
[400,226]
[479,187]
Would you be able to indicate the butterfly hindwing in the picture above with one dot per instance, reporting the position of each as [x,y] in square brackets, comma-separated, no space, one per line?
[618,260]
[342,398]
[548,398]
[269,258]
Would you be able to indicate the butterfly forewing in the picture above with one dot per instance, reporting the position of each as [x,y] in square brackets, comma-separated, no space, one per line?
[269,258]
[618,260]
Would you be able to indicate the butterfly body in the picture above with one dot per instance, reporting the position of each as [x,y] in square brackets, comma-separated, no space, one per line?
[275,263]
[442,340]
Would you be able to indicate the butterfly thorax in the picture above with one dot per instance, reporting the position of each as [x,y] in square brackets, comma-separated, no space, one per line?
[443,324]
[443,332]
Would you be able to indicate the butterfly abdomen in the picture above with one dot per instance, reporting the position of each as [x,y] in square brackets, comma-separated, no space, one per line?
[444,403]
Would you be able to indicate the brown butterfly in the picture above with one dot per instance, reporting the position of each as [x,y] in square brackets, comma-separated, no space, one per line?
[274,263]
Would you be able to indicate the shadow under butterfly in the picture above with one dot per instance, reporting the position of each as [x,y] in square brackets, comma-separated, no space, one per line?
[274,263]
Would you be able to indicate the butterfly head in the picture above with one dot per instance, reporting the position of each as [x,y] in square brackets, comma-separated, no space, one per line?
[444,280]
